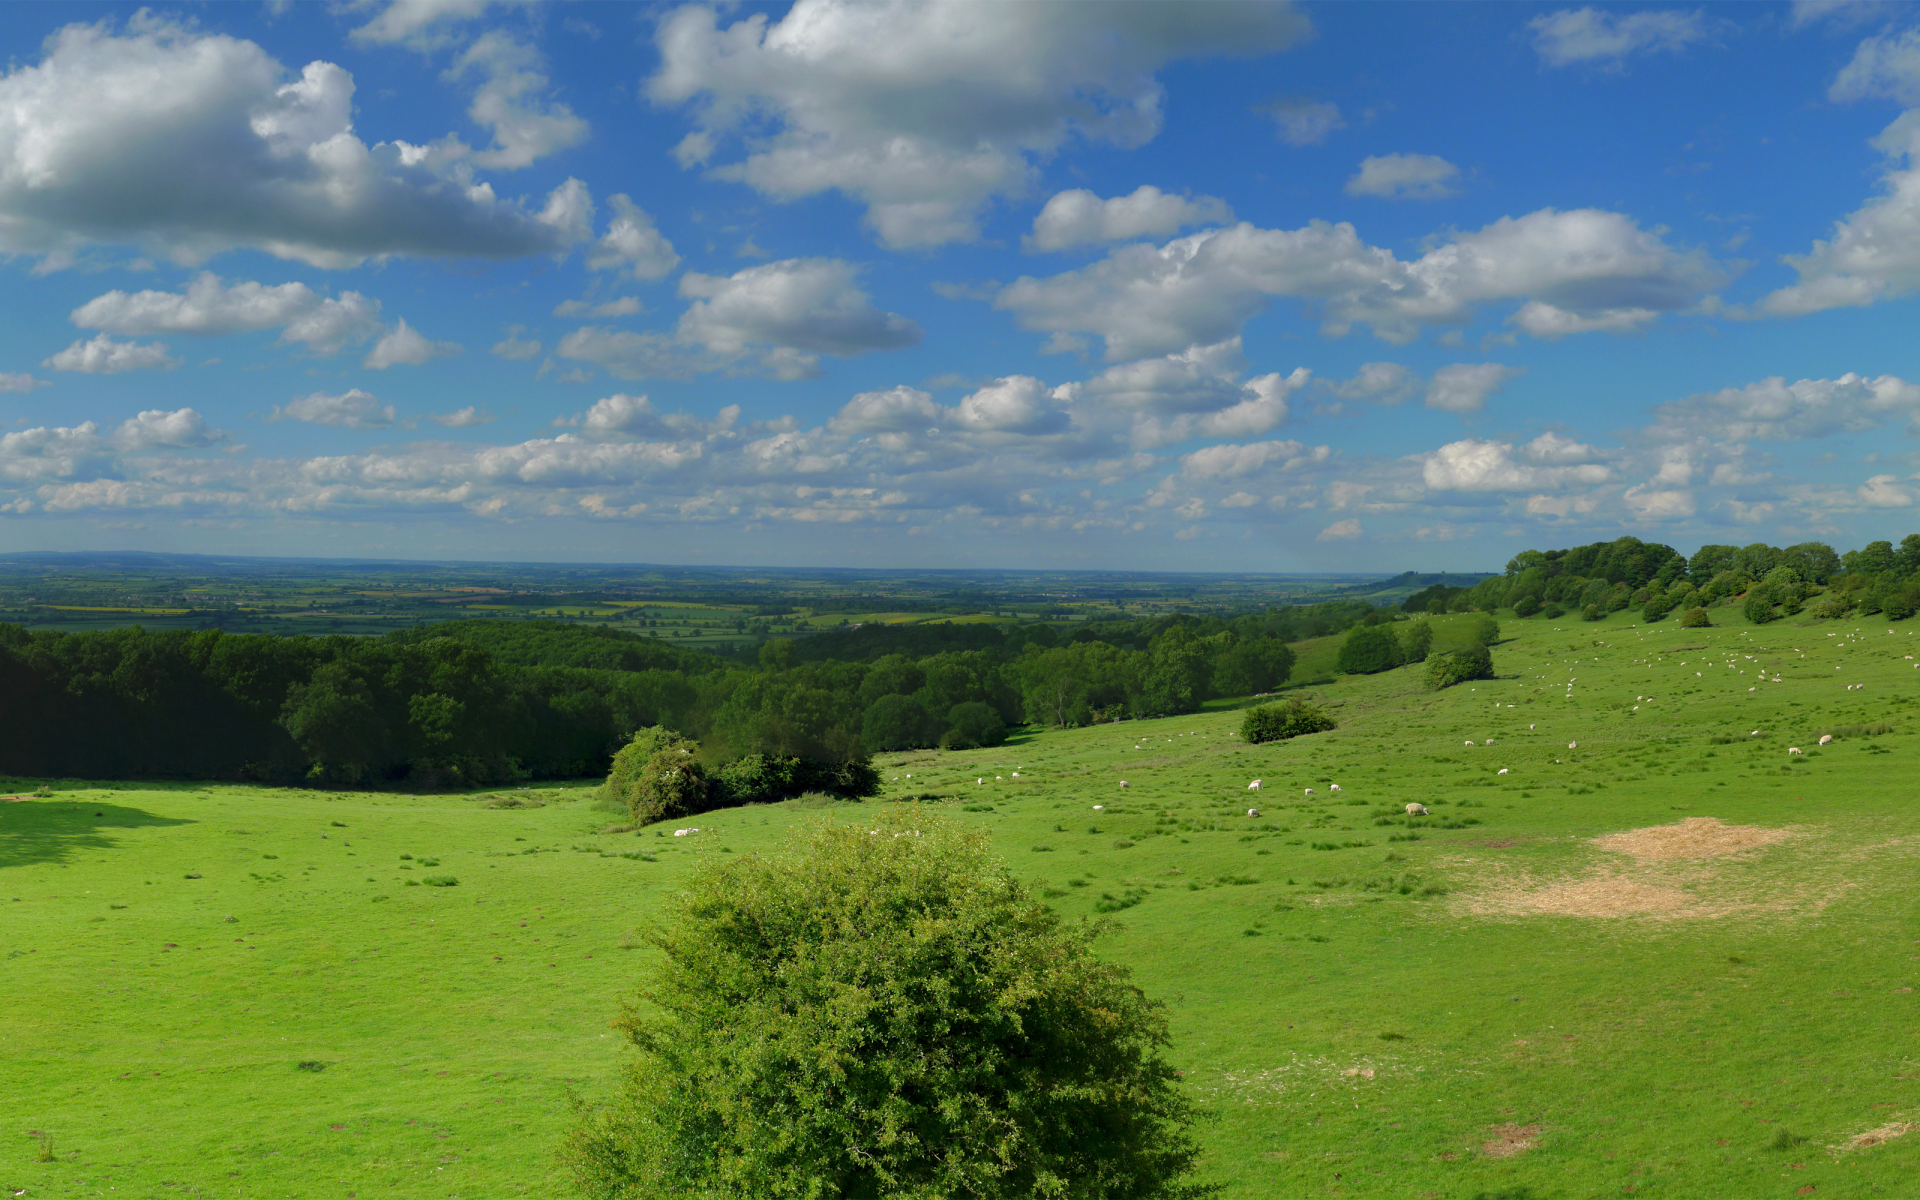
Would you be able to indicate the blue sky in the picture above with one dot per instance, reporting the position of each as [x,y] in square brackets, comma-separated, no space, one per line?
[1162,287]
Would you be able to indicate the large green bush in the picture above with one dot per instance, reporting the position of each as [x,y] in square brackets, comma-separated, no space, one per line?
[884,1011]
[1759,605]
[972,725]
[1277,722]
[1368,649]
[630,763]
[1694,618]
[1416,641]
[1445,670]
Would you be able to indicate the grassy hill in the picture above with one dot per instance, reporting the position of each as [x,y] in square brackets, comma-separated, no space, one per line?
[1659,955]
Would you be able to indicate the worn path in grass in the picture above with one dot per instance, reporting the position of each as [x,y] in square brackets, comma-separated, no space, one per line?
[1368,1006]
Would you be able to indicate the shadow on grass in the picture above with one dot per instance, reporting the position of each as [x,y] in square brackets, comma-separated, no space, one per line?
[44,831]
[1514,1193]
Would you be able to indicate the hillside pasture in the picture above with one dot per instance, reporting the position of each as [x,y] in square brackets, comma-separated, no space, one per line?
[1659,955]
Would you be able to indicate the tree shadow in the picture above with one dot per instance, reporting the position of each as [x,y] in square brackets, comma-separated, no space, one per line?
[51,831]
[1513,1193]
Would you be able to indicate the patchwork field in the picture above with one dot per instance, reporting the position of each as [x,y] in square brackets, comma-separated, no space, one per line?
[1638,947]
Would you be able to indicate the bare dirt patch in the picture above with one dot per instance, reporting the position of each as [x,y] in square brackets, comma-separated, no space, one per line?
[1509,1140]
[1693,838]
[1598,895]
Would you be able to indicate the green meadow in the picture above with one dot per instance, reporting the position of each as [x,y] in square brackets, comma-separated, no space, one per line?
[226,991]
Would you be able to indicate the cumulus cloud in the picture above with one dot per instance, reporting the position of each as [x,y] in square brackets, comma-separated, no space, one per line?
[632,245]
[1464,387]
[353,409]
[1874,252]
[624,416]
[19,382]
[1405,177]
[104,356]
[1195,393]
[460,418]
[422,22]
[1473,465]
[924,112]
[1381,382]
[1883,491]
[895,410]
[802,306]
[1017,404]
[1233,461]
[511,101]
[1341,531]
[1202,288]
[1596,36]
[1303,121]
[193,144]
[1651,504]
[405,346]
[515,348]
[155,429]
[625,354]
[208,306]
[1775,410]
[1079,218]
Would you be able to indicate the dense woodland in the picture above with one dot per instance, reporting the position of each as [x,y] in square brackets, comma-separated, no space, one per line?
[479,703]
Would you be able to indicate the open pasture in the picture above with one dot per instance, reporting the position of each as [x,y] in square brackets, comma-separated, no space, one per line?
[1658,955]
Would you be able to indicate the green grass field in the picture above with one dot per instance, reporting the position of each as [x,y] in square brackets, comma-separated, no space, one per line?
[236,992]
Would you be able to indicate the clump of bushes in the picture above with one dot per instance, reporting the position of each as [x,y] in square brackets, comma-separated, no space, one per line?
[659,774]
[1277,722]
[1445,670]
[1370,649]
[1694,618]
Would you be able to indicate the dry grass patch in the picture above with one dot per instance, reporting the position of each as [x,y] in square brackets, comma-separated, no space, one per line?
[1693,838]
[1511,1140]
[1873,1137]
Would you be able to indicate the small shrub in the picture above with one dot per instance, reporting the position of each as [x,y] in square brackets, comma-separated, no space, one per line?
[1108,902]
[313,1064]
[441,881]
[1695,618]
[1277,722]
[1785,1139]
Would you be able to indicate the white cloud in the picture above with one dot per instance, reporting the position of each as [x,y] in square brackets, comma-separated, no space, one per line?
[1078,217]
[1651,505]
[1549,322]
[896,410]
[460,418]
[925,111]
[516,348]
[1017,404]
[1874,252]
[624,416]
[628,355]
[104,356]
[403,346]
[19,382]
[52,453]
[1882,491]
[1775,410]
[1195,393]
[1200,289]
[1472,465]
[1836,12]
[182,429]
[422,22]
[510,101]
[1232,461]
[209,307]
[1464,387]
[632,244]
[193,144]
[352,409]
[1554,450]
[807,306]
[1303,121]
[1589,35]
[622,306]
[1382,382]
[1341,531]
[1405,177]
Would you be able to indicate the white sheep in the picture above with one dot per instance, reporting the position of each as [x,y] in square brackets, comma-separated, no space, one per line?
[1792,750]
[1309,791]
[1418,810]
[1335,787]
[1469,741]
[1502,771]
[1123,783]
[1253,812]
[1254,786]
[1098,807]
[1573,745]
[1825,738]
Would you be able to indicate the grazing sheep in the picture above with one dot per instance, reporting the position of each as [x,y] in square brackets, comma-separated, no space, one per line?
[1098,807]
[1123,783]
[982,779]
[1418,810]
[1825,738]
[1309,791]
[1573,745]
[1335,787]
[1469,741]
[1529,727]
[1755,733]
[1253,812]
[1254,786]
[1503,771]
[1792,750]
